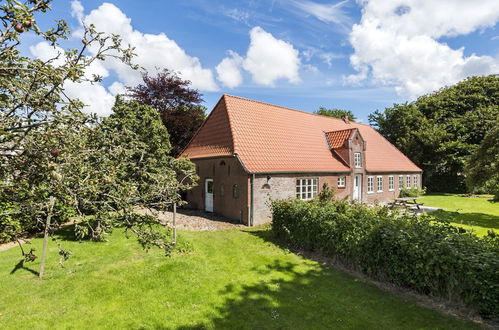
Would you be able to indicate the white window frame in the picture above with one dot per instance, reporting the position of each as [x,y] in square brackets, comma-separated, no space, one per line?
[415,181]
[342,182]
[377,183]
[391,183]
[306,188]
[370,184]
[408,181]
[357,160]
[401,182]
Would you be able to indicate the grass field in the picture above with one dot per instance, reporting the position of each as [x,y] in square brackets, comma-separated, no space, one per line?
[478,214]
[233,279]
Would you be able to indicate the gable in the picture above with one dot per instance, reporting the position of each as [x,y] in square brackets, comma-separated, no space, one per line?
[214,137]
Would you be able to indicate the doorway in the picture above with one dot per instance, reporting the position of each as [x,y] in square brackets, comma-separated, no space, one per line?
[208,199]
[357,188]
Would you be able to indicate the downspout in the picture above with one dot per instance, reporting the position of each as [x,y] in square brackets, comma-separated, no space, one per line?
[252,179]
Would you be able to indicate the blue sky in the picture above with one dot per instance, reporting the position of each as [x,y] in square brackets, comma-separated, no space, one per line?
[362,56]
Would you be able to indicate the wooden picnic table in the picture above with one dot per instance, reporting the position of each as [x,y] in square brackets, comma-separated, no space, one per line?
[406,202]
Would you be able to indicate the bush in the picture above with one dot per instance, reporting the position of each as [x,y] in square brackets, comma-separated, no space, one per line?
[421,253]
[412,192]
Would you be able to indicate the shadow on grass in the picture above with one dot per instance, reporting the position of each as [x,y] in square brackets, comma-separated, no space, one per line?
[20,265]
[306,295]
[470,218]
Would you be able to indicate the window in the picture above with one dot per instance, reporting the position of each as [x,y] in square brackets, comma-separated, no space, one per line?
[306,189]
[391,183]
[370,184]
[235,191]
[415,181]
[356,160]
[341,182]
[222,190]
[408,183]
[401,182]
[380,183]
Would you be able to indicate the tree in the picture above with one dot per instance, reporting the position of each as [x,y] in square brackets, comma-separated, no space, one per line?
[177,103]
[439,131]
[482,167]
[336,113]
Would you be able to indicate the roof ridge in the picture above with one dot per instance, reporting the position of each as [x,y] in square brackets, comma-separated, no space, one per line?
[231,124]
[285,108]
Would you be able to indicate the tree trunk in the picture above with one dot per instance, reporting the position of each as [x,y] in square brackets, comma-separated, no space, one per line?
[46,237]
[174,223]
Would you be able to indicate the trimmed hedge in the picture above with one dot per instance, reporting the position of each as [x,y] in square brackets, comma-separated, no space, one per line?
[422,253]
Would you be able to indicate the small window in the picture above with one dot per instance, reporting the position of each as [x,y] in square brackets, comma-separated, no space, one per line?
[401,182]
[415,181]
[357,160]
[380,183]
[222,190]
[408,183]
[306,189]
[235,191]
[370,184]
[391,183]
[341,182]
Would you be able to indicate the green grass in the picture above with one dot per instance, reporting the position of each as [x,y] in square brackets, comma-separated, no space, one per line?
[478,214]
[234,279]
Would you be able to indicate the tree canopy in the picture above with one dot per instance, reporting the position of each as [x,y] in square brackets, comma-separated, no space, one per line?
[177,103]
[336,113]
[439,131]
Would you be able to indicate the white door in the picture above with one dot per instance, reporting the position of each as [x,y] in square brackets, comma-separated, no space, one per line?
[357,188]
[208,193]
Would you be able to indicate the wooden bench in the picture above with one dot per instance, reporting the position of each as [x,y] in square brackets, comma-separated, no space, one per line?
[406,202]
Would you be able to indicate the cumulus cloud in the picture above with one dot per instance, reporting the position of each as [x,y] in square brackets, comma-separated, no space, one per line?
[398,43]
[267,59]
[229,70]
[153,50]
[95,97]
[77,10]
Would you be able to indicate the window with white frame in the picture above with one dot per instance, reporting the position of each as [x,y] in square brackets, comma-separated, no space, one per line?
[306,189]
[401,182]
[380,183]
[370,184]
[408,183]
[415,181]
[341,182]
[391,183]
[357,160]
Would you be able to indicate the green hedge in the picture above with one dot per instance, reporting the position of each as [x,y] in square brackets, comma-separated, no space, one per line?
[421,253]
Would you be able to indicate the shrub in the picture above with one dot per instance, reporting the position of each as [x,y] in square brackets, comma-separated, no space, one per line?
[425,254]
[412,192]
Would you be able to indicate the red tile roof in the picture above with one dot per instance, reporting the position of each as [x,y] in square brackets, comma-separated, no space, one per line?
[337,139]
[269,138]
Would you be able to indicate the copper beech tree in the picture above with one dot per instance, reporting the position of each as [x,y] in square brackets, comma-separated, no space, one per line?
[58,163]
[178,104]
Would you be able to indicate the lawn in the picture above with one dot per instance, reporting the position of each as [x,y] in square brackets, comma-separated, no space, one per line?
[234,279]
[478,214]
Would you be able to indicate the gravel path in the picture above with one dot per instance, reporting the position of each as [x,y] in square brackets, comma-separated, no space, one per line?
[197,220]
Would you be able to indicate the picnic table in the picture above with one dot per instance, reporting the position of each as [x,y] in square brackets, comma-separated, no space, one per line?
[406,202]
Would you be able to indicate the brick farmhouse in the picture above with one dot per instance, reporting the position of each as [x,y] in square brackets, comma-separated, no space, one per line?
[247,151]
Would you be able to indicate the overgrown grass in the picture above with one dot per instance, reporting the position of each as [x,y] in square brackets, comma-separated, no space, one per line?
[232,279]
[478,214]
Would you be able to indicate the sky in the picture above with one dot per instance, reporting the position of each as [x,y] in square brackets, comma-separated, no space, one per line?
[361,55]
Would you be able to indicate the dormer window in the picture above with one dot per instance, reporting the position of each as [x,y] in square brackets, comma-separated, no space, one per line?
[357,160]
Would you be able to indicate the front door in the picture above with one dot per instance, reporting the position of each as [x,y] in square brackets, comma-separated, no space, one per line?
[357,188]
[208,193]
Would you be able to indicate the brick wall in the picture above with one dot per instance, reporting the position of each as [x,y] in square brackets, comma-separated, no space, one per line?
[225,172]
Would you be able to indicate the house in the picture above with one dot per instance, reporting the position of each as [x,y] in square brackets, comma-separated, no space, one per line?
[247,151]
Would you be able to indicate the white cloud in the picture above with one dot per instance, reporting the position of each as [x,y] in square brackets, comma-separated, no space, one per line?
[77,10]
[269,59]
[229,70]
[328,13]
[95,97]
[397,43]
[153,50]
